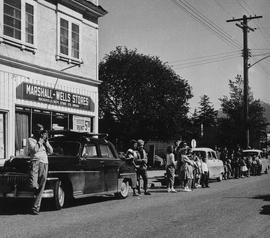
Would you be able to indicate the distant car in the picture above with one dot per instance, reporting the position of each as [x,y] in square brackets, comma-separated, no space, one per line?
[215,165]
[82,165]
[263,158]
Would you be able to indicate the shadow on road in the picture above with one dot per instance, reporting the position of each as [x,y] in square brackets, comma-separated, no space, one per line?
[14,207]
[263,197]
[23,206]
[265,210]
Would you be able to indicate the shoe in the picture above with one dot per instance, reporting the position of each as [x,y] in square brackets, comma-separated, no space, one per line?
[34,212]
[173,190]
[135,195]
[147,193]
[169,190]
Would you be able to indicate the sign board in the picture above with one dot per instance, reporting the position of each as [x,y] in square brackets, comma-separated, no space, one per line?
[81,124]
[32,92]
[193,143]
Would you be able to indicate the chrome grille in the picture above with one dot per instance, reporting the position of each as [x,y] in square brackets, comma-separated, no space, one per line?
[14,179]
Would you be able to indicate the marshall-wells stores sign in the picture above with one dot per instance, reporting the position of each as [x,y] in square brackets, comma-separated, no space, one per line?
[27,91]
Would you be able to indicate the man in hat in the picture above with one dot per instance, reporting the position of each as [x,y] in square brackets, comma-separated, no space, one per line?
[131,155]
[141,164]
[39,146]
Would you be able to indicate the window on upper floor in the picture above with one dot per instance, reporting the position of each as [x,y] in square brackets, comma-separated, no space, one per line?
[69,40]
[19,23]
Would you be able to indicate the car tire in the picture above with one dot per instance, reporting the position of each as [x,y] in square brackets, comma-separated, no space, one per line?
[59,195]
[124,190]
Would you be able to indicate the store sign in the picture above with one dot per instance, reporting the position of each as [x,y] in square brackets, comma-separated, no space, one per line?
[81,124]
[52,96]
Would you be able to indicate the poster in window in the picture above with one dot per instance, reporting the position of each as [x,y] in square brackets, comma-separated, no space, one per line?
[82,124]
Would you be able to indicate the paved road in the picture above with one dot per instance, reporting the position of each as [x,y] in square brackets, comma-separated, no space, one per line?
[232,208]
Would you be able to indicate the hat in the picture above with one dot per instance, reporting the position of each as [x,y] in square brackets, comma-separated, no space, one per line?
[140,142]
[133,141]
[38,128]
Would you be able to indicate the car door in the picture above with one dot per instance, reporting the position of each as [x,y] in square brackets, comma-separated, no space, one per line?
[93,168]
[218,165]
[111,167]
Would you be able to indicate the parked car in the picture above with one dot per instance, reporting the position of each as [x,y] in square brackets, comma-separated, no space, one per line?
[215,165]
[262,157]
[82,165]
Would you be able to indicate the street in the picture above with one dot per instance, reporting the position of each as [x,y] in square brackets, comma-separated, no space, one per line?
[232,208]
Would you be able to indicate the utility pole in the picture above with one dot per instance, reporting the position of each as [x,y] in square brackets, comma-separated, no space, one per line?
[244,26]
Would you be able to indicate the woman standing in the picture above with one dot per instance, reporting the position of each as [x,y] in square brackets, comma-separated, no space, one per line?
[170,168]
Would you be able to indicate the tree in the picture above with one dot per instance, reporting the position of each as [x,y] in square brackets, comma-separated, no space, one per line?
[206,113]
[232,127]
[140,96]
[205,116]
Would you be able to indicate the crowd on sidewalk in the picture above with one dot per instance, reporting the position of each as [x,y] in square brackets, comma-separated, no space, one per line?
[237,166]
[190,169]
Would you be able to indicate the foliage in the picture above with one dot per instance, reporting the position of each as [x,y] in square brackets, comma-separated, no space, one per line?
[205,116]
[140,96]
[232,127]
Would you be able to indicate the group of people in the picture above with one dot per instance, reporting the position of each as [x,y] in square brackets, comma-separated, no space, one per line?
[191,169]
[237,166]
[136,156]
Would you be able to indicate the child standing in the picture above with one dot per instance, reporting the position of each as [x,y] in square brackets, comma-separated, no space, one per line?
[205,174]
[170,168]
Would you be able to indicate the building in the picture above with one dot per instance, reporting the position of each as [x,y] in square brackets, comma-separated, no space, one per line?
[48,68]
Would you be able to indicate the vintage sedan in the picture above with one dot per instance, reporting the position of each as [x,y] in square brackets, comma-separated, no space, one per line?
[215,165]
[82,165]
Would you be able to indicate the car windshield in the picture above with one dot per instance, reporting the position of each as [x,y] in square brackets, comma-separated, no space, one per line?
[68,148]
[250,153]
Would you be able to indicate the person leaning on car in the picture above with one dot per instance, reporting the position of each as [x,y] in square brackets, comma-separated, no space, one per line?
[39,147]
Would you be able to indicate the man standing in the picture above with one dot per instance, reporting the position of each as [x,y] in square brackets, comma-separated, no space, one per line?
[39,146]
[132,155]
[141,164]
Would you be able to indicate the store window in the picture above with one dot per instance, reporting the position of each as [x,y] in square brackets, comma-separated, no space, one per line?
[42,117]
[19,23]
[2,136]
[27,118]
[22,130]
[60,121]
[82,124]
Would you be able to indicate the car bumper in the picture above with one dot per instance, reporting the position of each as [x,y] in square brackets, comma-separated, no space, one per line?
[48,193]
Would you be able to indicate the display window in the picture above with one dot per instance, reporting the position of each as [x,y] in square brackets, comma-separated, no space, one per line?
[2,135]
[42,117]
[60,121]
[27,118]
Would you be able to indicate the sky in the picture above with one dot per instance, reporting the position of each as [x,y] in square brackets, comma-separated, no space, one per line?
[193,37]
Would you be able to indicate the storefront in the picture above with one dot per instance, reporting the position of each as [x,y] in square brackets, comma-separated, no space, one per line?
[56,104]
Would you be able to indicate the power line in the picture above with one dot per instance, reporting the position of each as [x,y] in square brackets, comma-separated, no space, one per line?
[204,62]
[206,56]
[206,59]
[210,25]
